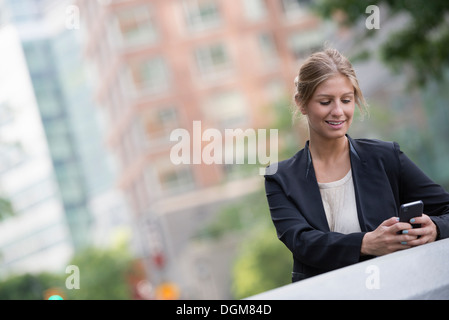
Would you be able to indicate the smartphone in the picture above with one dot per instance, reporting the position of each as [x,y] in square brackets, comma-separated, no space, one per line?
[411,210]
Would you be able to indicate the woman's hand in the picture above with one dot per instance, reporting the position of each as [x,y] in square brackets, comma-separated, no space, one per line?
[427,233]
[389,237]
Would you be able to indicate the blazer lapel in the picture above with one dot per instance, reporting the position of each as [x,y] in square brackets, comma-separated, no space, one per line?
[309,196]
[306,192]
[360,178]
[301,183]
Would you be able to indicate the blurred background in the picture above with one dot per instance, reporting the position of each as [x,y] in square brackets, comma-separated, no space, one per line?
[90,91]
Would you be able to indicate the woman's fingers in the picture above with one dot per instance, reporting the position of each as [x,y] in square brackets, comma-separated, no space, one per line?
[426,233]
[392,235]
[400,226]
[390,222]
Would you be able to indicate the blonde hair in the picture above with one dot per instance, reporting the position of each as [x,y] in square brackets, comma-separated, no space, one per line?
[319,67]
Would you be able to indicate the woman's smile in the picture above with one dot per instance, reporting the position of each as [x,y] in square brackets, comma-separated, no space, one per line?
[335,124]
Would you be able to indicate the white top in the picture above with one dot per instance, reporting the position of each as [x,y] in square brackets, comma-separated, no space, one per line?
[339,204]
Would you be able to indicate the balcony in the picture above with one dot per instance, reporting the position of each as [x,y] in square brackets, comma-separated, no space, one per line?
[417,273]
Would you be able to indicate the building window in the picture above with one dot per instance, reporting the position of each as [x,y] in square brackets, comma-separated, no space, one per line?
[167,116]
[176,179]
[295,8]
[136,25]
[156,124]
[255,9]
[201,14]
[226,109]
[33,195]
[37,56]
[69,180]
[49,104]
[164,120]
[150,75]
[59,144]
[268,50]
[213,60]
[12,154]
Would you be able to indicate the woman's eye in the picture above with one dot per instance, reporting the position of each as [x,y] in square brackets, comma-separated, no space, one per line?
[325,103]
[346,101]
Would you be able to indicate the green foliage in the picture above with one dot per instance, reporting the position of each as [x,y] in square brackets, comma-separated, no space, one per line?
[239,216]
[28,286]
[263,263]
[103,275]
[419,45]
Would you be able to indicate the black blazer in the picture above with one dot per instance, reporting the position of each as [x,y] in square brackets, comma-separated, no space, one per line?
[384,178]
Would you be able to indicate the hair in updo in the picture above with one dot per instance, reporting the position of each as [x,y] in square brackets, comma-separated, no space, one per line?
[319,67]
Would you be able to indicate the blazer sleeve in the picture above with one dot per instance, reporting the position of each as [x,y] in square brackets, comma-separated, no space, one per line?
[320,249]
[416,185]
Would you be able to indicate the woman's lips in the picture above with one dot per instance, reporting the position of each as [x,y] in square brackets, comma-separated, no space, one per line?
[335,124]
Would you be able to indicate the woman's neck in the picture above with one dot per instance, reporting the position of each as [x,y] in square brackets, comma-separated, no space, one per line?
[328,150]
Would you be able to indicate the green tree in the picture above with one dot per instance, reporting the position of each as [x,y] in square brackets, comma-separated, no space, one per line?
[419,45]
[263,263]
[103,274]
[29,286]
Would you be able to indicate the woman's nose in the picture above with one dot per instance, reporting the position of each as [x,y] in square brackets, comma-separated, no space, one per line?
[337,109]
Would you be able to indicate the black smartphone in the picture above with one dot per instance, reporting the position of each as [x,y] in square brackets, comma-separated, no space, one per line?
[411,210]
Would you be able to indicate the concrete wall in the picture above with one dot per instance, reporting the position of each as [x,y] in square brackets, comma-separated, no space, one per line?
[417,273]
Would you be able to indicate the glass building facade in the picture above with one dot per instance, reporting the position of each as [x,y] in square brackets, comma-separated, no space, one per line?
[77,176]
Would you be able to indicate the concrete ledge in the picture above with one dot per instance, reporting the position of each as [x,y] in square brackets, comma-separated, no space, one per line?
[417,273]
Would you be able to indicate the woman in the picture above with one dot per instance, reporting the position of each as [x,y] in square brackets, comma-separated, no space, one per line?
[335,202]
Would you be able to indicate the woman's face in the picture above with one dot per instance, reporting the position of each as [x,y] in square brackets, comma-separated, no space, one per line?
[331,108]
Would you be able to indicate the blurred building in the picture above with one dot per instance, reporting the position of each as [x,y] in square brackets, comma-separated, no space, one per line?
[162,64]
[38,236]
[60,178]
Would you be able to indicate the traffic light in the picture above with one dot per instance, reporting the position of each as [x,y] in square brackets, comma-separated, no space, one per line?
[54,294]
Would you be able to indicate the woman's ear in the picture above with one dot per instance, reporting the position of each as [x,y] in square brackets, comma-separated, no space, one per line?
[303,109]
